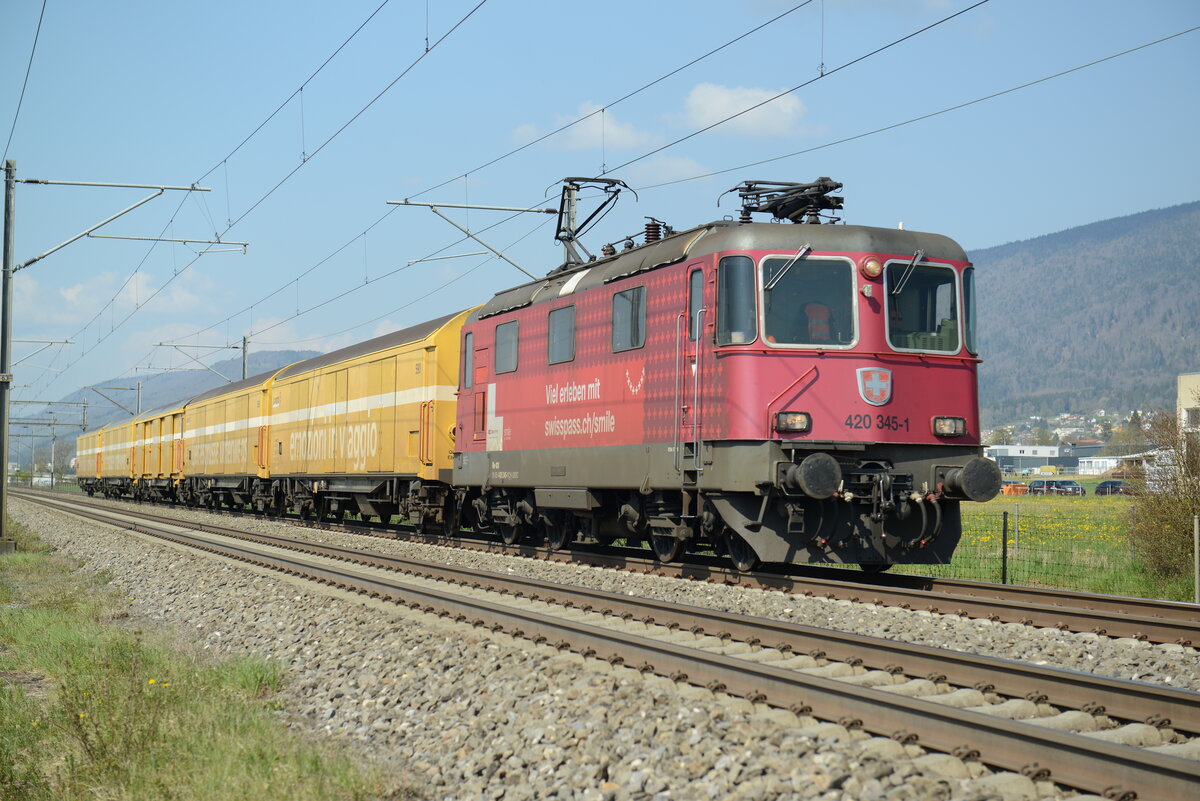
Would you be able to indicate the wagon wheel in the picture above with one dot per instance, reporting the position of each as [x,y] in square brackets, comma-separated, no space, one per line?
[320,509]
[510,533]
[560,532]
[742,556]
[666,549]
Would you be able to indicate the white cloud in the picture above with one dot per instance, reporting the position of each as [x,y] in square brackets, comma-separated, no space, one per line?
[659,169]
[709,103]
[600,130]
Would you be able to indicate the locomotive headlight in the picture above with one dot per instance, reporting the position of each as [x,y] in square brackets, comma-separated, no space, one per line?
[871,267]
[797,422]
[949,426]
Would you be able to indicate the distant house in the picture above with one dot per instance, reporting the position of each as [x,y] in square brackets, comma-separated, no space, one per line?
[1018,458]
[1098,465]
[1187,404]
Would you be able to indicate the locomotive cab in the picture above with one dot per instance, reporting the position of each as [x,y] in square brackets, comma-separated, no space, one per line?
[858,346]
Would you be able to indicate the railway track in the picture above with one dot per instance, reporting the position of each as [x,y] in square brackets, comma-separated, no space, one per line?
[1080,730]
[1146,619]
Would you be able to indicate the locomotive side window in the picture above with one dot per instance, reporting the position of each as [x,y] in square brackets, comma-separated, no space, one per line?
[737,321]
[468,360]
[629,319]
[506,347]
[969,309]
[808,301]
[562,335]
[922,307]
[695,302]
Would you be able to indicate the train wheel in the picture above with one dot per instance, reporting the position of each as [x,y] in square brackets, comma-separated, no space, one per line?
[742,556]
[666,549]
[560,533]
[509,533]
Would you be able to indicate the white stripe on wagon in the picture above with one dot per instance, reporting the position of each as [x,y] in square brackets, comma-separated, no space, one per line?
[370,403]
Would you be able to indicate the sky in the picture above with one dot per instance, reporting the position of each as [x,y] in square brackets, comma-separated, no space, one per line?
[305,119]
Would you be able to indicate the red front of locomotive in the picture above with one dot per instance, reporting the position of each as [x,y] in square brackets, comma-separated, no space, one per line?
[788,393]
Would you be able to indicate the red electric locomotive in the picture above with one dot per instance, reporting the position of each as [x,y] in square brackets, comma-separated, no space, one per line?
[782,393]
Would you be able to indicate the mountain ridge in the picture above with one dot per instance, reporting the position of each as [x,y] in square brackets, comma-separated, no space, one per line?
[1077,320]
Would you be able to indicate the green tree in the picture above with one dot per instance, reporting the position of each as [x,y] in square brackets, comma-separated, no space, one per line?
[1168,499]
[1129,438]
[1043,436]
[1001,436]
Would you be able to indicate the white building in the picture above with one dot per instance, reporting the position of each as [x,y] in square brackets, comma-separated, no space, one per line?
[1097,465]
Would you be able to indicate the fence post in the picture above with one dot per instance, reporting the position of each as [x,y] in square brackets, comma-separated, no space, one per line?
[1004,549]
[1196,559]
[1016,526]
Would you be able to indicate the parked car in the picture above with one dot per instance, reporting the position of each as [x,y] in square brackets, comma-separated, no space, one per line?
[1113,488]
[1052,487]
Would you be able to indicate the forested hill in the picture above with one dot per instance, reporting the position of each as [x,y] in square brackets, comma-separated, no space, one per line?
[1103,316]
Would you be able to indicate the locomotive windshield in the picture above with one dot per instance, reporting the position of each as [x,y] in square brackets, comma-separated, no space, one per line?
[808,301]
[922,304]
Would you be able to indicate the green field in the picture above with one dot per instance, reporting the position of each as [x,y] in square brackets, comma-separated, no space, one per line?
[1057,541]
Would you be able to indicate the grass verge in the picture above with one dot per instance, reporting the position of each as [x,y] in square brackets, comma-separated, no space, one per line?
[1053,541]
[90,709]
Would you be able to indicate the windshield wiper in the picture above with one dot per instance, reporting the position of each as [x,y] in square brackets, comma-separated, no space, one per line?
[775,279]
[908,271]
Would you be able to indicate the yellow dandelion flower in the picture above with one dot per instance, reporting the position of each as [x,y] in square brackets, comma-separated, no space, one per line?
[151,681]
[82,715]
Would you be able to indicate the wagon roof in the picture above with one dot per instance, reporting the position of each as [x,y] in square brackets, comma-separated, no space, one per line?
[719,237]
[227,389]
[401,337]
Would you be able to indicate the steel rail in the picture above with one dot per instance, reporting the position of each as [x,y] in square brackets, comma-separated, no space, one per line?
[1119,698]
[1078,761]
[1111,616]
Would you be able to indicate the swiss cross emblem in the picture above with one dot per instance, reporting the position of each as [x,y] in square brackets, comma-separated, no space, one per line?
[875,385]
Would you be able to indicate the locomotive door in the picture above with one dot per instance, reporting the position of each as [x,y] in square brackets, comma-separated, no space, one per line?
[689,361]
[475,378]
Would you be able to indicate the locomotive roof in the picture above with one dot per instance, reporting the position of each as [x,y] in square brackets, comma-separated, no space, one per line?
[720,237]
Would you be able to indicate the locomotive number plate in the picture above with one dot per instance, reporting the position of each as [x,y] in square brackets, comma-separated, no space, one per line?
[888,422]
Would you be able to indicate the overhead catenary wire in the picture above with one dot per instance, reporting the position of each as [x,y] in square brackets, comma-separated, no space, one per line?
[402,268]
[930,115]
[269,192]
[796,88]
[612,103]
[657,150]
[924,117]
[412,302]
[465,175]
[28,69]
[224,163]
